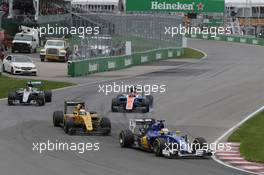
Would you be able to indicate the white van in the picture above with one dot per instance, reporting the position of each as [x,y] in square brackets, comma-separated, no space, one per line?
[26,41]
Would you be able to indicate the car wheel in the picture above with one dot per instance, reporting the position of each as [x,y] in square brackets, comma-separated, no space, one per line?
[57,118]
[11,98]
[146,106]
[41,100]
[158,146]
[48,96]
[4,68]
[12,71]
[68,125]
[150,99]
[105,123]
[198,143]
[114,104]
[126,139]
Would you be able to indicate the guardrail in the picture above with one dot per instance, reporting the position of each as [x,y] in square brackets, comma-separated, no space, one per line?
[88,66]
[230,38]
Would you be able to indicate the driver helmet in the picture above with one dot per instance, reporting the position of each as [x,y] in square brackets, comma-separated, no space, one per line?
[165,131]
[82,112]
[133,91]
[29,88]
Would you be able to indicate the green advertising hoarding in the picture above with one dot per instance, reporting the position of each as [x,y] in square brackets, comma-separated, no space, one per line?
[197,6]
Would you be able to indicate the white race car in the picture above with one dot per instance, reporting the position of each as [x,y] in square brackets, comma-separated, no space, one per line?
[19,64]
[30,95]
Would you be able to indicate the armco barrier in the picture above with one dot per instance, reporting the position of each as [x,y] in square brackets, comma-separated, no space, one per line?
[89,66]
[230,38]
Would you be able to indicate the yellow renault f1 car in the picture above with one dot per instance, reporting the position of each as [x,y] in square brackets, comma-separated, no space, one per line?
[80,121]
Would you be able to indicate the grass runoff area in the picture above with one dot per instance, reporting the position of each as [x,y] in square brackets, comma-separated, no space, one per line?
[9,84]
[251,137]
[191,53]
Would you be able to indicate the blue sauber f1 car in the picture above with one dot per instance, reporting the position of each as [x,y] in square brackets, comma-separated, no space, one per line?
[132,102]
[151,135]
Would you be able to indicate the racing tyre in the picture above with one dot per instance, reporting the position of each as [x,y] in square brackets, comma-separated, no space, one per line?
[68,125]
[198,143]
[150,99]
[158,146]
[126,139]
[114,104]
[11,98]
[4,68]
[48,96]
[146,106]
[41,100]
[106,125]
[57,118]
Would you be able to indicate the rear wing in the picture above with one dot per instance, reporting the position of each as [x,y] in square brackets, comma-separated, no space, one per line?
[72,103]
[34,83]
[140,121]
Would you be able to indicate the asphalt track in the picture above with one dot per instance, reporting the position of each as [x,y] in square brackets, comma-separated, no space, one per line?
[203,99]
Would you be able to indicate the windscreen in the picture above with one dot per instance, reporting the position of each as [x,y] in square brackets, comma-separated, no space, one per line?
[22,59]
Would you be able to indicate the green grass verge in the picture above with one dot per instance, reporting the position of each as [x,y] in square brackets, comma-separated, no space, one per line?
[9,84]
[251,137]
[191,53]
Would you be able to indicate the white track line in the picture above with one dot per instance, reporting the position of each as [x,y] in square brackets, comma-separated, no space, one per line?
[205,54]
[230,131]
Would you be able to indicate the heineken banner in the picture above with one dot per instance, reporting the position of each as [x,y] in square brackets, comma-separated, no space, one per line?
[197,6]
